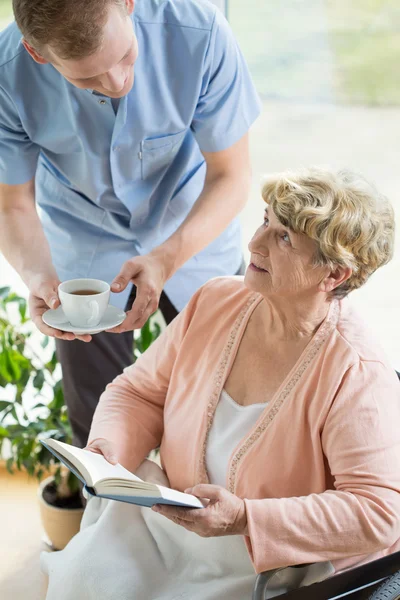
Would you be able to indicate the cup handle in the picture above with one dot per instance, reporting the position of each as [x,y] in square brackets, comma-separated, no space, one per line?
[95,313]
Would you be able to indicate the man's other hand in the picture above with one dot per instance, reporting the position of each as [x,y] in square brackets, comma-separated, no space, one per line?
[148,275]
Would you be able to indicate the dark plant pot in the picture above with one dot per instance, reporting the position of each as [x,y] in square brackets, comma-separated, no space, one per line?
[60,522]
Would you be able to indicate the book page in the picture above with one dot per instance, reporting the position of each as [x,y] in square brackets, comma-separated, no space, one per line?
[146,496]
[96,465]
[115,479]
[181,497]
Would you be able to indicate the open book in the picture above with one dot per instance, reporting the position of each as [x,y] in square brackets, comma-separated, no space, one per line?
[103,479]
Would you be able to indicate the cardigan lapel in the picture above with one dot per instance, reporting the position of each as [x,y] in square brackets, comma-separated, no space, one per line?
[273,407]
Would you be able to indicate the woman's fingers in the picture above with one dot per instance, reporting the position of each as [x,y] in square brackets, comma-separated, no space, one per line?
[104,447]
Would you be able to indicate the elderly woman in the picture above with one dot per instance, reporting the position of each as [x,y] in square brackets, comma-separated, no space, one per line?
[269,397]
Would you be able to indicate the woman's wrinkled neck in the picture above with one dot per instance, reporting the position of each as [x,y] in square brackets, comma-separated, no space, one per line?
[290,319]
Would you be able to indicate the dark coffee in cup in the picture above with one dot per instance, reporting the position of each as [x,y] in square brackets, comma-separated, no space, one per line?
[84,293]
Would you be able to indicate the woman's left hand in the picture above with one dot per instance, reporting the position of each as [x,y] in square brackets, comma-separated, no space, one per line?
[225,514]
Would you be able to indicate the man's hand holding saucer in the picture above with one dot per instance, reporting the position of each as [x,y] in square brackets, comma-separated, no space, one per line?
[44,296]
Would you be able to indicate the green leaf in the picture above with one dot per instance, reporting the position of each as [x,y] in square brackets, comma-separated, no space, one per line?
[4,366]
[3,382]
[22,309]
[13,297]
[6,413]
[11,365]
[25,450]
[13,412]
[4,291]
[30,468]
[22,360]
[40,426]
[39,380]
[51,365]
[45,342]
[137,350]
[57,477]
[156,331]
[4,432]
[21,385]
[10,338]
[21,347]
[146,336]
[73,483]
[19,396]
[40,405]
[58,401]
[5,404]
[50,433]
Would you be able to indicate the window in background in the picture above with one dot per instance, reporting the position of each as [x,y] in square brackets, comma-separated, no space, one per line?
[5,12]
[327,72]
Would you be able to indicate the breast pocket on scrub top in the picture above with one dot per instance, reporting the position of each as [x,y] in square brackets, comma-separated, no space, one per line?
[157,153]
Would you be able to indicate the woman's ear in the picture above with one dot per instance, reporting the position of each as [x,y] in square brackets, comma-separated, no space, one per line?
[335,278]
[36,57]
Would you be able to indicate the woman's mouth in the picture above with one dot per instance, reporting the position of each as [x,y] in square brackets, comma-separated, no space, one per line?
[253,267]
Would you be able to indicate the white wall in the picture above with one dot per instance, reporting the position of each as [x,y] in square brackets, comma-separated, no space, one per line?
[222,5]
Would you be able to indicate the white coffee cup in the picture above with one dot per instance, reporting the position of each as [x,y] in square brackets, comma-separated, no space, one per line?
[84,310]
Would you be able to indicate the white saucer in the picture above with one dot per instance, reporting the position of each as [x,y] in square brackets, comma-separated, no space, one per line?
[56,318]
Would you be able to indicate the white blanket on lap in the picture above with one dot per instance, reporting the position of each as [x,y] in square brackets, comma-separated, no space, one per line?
[125,552]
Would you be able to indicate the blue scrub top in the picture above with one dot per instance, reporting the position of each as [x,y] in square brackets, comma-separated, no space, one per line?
[112,185]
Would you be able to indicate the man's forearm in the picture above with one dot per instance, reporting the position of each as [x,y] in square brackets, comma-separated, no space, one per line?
[24,245]
[222,199]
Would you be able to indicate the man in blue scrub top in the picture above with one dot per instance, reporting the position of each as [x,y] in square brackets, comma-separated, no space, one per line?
[126,124]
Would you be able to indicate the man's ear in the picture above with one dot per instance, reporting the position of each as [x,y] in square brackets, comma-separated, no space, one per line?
[130,5]
[335,278]
[36,57]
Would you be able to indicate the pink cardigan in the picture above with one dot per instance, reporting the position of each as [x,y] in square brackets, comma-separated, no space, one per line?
[320,471]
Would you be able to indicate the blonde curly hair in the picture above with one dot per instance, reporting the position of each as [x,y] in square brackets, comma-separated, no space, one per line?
[351,222]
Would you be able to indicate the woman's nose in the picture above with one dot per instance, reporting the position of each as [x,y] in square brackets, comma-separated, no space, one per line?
[259,243]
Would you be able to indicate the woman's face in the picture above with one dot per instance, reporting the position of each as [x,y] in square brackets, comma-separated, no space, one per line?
[281,262]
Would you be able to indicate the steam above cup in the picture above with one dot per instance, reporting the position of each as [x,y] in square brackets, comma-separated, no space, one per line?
[84,301]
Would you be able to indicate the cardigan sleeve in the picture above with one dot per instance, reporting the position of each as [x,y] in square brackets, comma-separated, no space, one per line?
[361,442]
[130,411]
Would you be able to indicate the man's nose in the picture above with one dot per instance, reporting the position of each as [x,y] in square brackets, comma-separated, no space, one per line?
[114,80]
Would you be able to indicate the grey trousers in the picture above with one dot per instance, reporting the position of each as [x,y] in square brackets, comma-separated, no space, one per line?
[87,368]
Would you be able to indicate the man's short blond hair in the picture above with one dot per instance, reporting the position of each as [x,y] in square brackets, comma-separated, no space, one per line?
[352,224]
[71,28]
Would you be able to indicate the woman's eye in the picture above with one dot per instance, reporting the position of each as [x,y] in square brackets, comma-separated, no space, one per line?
[285,238]
[266,220]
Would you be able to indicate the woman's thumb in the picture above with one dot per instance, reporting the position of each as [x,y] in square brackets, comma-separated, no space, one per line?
[109,455]
[107,450]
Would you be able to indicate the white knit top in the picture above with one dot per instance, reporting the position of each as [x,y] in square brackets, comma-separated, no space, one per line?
[232,422]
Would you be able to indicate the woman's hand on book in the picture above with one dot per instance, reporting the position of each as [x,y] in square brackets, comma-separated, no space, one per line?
[104,447]
[225,514]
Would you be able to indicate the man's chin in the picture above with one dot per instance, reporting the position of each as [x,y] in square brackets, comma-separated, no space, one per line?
[124,92]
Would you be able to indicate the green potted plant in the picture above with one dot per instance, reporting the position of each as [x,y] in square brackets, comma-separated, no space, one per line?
[32,408]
